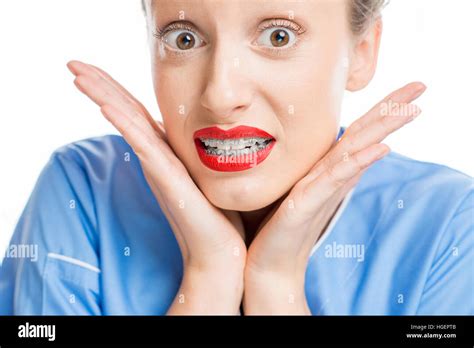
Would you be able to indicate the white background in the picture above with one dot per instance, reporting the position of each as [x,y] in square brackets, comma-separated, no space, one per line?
[41,109]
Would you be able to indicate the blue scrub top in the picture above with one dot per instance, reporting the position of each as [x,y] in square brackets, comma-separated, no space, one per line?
[404,243]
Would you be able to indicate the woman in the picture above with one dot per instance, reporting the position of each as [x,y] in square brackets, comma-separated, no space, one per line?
[249,198]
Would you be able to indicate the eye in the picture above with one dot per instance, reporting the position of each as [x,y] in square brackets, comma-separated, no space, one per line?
[276,37]
[182,40]
[180,36]
[278,33]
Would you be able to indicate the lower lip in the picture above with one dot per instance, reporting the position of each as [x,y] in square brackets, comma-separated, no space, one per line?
[223,163]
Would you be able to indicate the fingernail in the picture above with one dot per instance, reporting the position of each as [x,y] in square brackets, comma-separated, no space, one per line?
[421,88]
[71,69]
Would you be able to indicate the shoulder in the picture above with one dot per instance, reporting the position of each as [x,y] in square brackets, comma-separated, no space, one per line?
[105,176]
[100,164]
[437,224]
[431,169]
[405,170]
[94,150]
[71,186]
[82,184]
[427,209]
[414,226]
[435,186]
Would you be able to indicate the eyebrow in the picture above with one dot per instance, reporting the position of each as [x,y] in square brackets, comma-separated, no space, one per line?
[260,19]
[159,31]
[170,15]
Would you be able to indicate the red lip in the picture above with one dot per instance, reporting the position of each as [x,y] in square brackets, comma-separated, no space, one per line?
[232,163]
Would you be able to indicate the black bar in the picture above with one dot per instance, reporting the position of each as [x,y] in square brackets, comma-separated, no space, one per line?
[255,329]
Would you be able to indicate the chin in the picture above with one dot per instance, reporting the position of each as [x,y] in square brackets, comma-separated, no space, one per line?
[241,195]
[251,204]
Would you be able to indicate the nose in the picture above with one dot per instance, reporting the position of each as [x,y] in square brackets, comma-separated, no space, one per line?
[227,93]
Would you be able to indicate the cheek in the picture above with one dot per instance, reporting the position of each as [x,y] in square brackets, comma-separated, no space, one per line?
[175,95]
[173,92]
[311,128]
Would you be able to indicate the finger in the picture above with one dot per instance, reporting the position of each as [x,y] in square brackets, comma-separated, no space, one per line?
[152,151]
[106,96]
[145,148]
[79,68]
[156,124]
[341,175]
[143,141]
[129,121]
[109,91]
[102,93]
[406,94]
[375,125]
[146,140]
[373,133]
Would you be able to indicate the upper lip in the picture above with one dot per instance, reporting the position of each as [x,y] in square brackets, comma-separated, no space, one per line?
[233,133]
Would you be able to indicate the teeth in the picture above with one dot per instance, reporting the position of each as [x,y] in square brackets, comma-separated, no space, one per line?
[234,144]
[235,147]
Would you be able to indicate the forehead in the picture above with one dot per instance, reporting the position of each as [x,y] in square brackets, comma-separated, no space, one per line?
[170,10]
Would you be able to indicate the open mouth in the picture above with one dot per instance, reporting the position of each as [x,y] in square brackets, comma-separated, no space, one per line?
[242,146]
[236,149]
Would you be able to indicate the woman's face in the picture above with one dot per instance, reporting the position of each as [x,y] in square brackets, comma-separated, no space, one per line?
[278,67]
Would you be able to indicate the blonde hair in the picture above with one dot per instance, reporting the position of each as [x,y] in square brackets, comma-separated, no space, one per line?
[363,13]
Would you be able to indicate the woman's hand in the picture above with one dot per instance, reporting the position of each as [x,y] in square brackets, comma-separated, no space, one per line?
[278,256]
[211,241]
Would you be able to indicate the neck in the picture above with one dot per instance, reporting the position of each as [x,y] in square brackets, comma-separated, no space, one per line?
[252,220]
